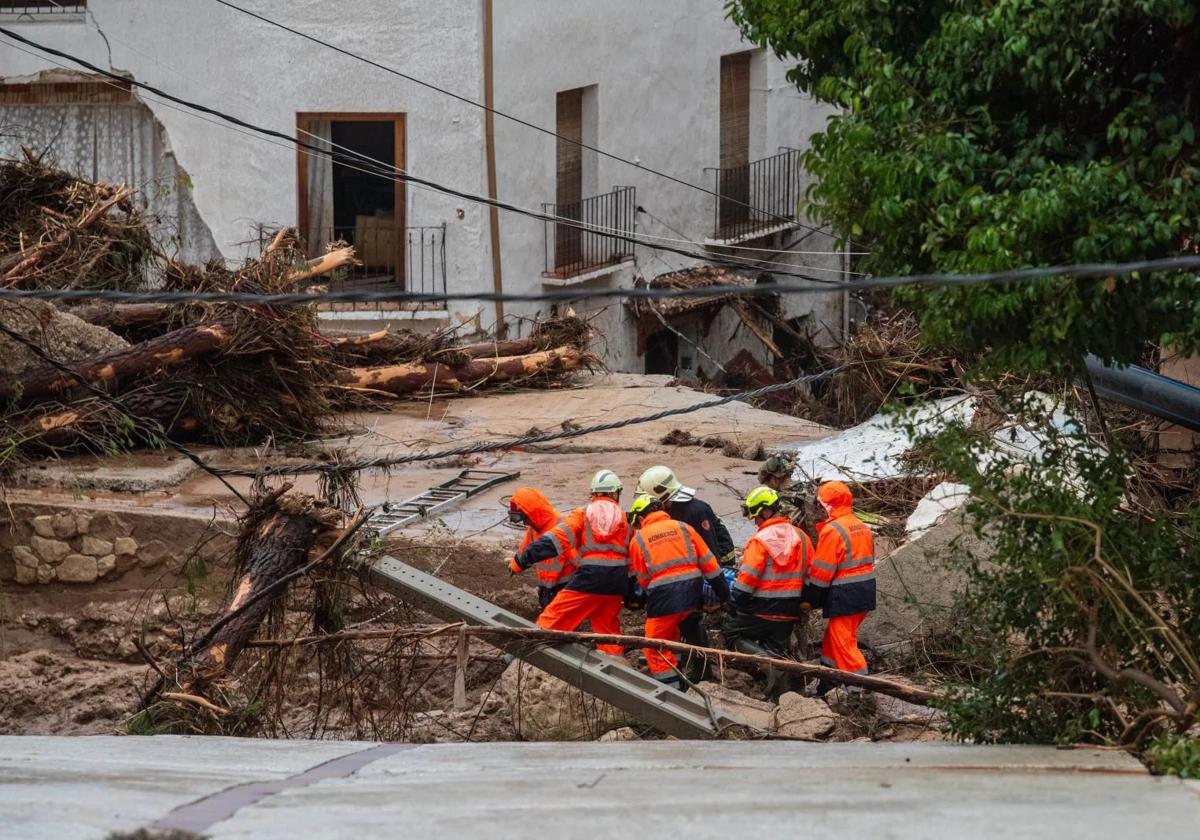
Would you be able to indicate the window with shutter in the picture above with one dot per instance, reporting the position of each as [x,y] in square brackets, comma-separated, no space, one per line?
[569,175]
[735,138]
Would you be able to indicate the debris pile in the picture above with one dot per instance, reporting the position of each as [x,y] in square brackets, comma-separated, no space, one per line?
[225,373]
[60,231]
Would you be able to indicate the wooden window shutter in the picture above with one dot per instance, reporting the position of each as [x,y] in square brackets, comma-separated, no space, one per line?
[569,183]
[735,110]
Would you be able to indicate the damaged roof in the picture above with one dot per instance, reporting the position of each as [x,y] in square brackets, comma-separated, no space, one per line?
[698,277]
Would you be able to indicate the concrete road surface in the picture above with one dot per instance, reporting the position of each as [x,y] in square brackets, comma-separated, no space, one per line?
[85,787]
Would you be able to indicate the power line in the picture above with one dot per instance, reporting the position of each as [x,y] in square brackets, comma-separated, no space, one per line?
[527,440]
[517,120]
[407,177]
[1075,270]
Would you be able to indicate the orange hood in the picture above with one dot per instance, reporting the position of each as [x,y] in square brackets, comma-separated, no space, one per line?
[837,498]
[537,507]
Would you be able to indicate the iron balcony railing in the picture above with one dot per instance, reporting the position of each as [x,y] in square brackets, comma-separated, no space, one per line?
[42,7]
[757,197]
[590,240]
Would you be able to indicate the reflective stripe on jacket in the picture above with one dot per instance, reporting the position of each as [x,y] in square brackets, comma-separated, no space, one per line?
[771,576]
[841,576]
[599,534]
[671,562]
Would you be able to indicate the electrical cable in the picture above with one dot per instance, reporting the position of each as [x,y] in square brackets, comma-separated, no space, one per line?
[753,265]
[527,440]
[1074,270]
[517,120]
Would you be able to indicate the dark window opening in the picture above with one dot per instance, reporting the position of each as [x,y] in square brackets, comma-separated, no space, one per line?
[662,353]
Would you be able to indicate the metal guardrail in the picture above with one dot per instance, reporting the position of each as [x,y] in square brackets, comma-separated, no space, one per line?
[576,249]
[757,197]
[638,694]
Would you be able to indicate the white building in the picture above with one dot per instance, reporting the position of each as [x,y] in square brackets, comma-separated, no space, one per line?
[667,85]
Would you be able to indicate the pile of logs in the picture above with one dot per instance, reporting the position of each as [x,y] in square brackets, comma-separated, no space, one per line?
[230,374]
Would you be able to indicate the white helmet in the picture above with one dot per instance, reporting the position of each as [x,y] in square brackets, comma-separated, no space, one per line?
[606,481]
[659,482]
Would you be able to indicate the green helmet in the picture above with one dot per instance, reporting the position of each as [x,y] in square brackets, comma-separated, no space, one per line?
[659,482]
[607,482]
[758,500]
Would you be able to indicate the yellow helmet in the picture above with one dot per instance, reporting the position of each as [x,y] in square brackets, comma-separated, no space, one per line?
[758,500]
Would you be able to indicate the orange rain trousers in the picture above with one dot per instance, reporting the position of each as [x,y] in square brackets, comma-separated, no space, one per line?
[666,627]
[839,647]
[569,609]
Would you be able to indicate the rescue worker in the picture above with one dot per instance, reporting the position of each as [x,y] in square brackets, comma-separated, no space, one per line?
[672,562]
[681,504]
[841,579]
[529,507]
[776,473]
[599,535]
[766,598]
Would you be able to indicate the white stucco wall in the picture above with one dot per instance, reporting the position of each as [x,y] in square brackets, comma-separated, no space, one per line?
[655,67]
[204,52]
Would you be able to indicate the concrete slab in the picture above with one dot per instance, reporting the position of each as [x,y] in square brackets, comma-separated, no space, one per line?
[84,787]
[53,787]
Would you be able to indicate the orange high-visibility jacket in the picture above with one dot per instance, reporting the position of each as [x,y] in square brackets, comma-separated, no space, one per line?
[557,569]
[841,576]
[600,534]
[671,562]
[770,579]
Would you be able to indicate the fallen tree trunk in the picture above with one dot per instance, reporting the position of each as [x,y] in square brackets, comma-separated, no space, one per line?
[909,693]
[274,544]
[91,422]
[380,347]
[401,380]
[111,369]
[122,316]
[493,349]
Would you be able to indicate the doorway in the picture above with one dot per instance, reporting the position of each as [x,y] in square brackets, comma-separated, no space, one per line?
[662,353]
[339,201]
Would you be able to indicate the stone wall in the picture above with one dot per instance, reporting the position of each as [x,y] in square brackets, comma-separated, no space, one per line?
[43,544]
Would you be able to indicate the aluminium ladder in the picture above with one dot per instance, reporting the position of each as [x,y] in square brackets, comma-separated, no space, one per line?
[436,499]
[611,680]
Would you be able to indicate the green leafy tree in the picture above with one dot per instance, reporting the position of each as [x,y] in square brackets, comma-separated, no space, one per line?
[1084,621]
[975,136]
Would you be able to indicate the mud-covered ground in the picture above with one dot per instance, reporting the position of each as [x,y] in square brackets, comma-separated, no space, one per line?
[75,663]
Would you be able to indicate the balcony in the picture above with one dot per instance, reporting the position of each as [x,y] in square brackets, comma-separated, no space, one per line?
[757,199]
[40,8]
[587,245]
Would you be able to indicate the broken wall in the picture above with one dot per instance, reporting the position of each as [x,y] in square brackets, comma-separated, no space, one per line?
[117,142]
